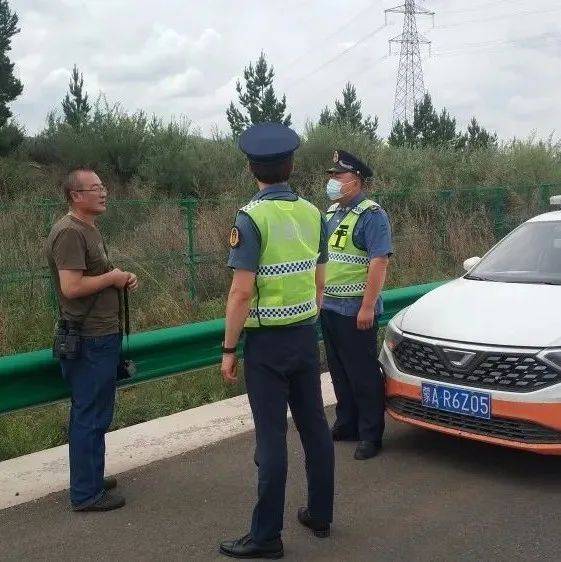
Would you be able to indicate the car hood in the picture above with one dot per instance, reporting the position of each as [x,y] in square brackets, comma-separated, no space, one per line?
[484,312]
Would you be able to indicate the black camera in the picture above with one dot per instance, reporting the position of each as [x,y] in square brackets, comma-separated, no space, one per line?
[66,343]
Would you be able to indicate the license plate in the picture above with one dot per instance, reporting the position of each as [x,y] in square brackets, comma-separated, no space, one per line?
[457,400]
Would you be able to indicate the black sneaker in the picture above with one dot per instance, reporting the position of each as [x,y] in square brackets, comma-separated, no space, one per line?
[247,548]
[107,502]
[367,450]
[320,529]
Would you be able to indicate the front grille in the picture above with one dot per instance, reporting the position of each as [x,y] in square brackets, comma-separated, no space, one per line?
[513,372]
[502,428]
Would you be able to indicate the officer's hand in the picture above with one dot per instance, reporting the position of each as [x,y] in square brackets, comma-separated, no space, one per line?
[132,285]
[120,278]
[229,368]
[365,318]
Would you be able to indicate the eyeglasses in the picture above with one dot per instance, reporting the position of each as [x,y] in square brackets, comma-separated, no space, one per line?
[95,189]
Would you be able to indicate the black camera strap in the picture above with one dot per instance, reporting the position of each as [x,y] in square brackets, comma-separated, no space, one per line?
[124,315]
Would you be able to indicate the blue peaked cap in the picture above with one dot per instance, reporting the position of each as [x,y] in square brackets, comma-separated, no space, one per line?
[267,142]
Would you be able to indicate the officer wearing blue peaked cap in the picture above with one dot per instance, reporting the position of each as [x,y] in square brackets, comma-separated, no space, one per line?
[359,249]
[278,251]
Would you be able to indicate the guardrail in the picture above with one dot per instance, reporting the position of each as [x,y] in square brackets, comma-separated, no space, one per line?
[33,379]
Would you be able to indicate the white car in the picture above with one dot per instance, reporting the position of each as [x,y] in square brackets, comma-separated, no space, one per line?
[480,356]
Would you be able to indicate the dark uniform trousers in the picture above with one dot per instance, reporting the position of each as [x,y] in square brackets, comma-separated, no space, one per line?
[357,379]
[282,368]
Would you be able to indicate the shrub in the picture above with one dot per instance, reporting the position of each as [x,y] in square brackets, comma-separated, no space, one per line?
[11,137]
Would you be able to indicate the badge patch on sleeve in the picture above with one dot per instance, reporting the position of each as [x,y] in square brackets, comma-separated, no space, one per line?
[234,237]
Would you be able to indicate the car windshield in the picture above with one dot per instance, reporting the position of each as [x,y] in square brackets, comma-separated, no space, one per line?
[530,254]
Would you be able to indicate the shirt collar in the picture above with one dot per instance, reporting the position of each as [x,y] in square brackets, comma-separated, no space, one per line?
[275,188]
[354,202]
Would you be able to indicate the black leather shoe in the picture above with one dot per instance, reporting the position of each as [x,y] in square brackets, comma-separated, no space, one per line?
[247,548]
[109,483]
[107,502]
[319,528]
[367,450]
[339,435]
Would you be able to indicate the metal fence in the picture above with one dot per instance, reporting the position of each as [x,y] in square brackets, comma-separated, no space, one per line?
[178,248]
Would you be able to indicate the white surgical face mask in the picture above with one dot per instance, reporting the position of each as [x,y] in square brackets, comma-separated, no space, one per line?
[334,189]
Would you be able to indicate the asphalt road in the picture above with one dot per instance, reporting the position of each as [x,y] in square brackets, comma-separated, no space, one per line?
[427,497]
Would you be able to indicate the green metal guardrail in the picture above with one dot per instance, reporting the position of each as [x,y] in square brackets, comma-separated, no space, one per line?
[33,379]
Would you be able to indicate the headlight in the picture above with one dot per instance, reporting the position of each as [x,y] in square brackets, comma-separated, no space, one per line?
[393,336]
[551,357]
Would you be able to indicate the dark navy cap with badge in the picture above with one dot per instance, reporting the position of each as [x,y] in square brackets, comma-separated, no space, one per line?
[268,142]
[345,162]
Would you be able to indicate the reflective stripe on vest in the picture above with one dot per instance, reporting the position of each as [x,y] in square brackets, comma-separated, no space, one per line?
[285,290]
[283,311]
[347,267]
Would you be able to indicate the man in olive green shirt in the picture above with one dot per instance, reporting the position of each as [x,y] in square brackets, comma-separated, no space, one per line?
[88,293]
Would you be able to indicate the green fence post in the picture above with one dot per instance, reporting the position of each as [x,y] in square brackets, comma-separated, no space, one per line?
[499,212]
[188,207]
[444,202]
[544,193]
[48,205]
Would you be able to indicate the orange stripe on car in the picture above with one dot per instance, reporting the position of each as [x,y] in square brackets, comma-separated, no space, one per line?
[545,414]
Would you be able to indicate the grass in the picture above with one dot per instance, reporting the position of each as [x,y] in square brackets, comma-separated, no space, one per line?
[438,220]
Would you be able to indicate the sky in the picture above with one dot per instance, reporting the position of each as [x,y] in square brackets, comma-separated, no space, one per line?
[498,60]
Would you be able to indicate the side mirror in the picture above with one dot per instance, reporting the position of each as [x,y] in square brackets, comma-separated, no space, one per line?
[470,263]
[555,200]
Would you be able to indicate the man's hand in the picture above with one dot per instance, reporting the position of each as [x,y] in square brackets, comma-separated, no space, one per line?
[120,278]
[229,368]
[365,318]
[132,285]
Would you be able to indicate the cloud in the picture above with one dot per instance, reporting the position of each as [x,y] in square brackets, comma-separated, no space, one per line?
[164,53]
[188,83]
[526,107]
[56,77]
[183,57]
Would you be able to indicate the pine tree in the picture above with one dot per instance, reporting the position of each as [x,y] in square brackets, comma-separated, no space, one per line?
[325,117]
[10,86]
[397,135]
[370,127]
[75,105]
[446,130]
[478,137]
[431,129]
[425,124]
[427,129]
[348,112]
[258,99]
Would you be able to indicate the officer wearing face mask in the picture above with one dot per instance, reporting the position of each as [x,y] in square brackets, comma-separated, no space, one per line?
[359,249]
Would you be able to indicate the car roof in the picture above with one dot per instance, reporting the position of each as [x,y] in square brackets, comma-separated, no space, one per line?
[547,217]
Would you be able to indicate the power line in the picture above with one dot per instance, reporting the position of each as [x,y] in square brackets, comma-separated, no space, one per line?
[331,35]
[478,8]
[336,57]
[486,45]
[496,18]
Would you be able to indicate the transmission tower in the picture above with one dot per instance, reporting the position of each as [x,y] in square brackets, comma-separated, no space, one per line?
[410,87]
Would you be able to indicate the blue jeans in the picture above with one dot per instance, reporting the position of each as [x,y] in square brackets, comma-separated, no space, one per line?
[92,378]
